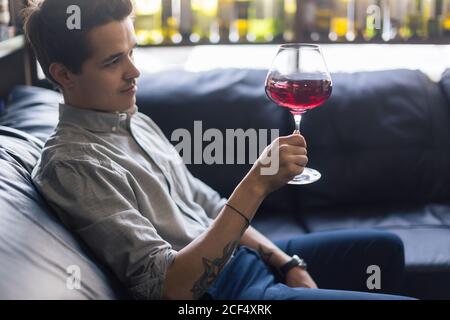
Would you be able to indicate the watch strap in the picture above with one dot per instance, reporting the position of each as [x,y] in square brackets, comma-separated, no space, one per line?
[295,261]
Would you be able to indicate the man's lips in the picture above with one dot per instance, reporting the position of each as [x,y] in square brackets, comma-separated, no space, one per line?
[132,88]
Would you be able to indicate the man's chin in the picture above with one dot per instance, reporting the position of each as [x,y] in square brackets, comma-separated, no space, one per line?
[127,103]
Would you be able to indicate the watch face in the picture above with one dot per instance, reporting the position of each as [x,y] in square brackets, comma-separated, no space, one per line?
[294,262]
[301,262]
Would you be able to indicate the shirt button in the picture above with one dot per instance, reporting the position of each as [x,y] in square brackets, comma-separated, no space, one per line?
[114,129]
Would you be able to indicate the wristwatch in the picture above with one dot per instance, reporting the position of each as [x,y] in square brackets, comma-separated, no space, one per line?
[296,261]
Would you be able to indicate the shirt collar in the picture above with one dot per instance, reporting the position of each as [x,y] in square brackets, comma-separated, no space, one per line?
[96,121]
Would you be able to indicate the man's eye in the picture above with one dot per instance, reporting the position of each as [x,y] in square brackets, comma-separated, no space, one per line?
[112,63]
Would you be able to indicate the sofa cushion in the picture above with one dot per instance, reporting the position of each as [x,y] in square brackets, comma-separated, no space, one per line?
[424,229]
[36,250]
[383,137]
[32,110]
[400,217]
[24,148]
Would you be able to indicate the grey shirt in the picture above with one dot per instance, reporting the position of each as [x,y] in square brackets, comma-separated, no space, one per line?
[118,182]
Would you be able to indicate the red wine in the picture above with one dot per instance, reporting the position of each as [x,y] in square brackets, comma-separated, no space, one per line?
[298,95]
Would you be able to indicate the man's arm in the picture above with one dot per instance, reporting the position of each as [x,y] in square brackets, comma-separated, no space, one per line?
[198,264]
[270,253]
[275,257]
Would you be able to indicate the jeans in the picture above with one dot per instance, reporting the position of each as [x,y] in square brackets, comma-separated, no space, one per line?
[337,261]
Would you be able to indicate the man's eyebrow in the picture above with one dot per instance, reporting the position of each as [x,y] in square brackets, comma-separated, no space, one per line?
[116,55]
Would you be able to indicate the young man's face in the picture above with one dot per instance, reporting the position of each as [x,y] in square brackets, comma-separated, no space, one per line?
[107,81]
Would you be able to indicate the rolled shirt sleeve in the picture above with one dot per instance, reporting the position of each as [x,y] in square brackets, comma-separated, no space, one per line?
[94,199]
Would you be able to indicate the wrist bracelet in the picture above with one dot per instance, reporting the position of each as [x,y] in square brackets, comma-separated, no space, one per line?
[247,221]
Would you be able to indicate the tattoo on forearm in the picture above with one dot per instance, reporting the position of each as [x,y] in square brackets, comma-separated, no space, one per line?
[265,255]
[212,269]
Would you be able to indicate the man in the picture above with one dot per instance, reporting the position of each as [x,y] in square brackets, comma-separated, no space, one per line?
[114,179]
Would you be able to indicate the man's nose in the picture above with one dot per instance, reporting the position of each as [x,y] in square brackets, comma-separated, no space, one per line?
[132,71]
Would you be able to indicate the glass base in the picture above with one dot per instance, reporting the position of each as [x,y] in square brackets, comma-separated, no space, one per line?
[308,176]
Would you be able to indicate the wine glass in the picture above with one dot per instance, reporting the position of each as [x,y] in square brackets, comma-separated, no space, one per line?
[299,80]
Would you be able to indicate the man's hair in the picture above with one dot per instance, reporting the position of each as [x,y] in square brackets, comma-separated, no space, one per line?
[46,29]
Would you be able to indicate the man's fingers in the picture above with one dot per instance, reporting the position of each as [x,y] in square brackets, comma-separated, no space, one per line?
[294,150]
[296,132]
[293,139]
[299,160]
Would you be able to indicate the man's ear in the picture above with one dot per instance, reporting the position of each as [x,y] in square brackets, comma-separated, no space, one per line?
[62,75]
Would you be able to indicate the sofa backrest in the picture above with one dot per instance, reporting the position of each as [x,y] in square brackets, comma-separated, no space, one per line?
[383,137]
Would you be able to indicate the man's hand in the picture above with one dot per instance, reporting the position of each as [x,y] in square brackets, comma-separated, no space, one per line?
[292,159]
[299,278]
[275,257]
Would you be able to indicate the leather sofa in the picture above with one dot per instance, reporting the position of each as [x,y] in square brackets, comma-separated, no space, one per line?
[382,144]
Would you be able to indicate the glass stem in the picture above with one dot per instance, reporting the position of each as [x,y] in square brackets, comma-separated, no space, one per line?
[297,118]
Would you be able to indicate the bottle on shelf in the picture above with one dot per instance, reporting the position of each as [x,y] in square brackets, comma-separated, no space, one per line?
[279,16]
[405,31]
[446,18]
[171,17]
[342,25]
[261,21]
[426,13]
[387,32]
[239,25]
[205,21]
[434,22]
[395,26]
[392,12]
[288,28]
[307,17]
[186,19]
[4,20]
[416,13]
[321,11]
[148,22]
[369,19]
[226,8]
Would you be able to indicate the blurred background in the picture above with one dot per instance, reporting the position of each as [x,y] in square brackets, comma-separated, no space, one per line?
[175,22]
[199,35]
[357,35]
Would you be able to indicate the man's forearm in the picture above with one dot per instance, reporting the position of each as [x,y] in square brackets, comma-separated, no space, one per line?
[198,264]
[269,252]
